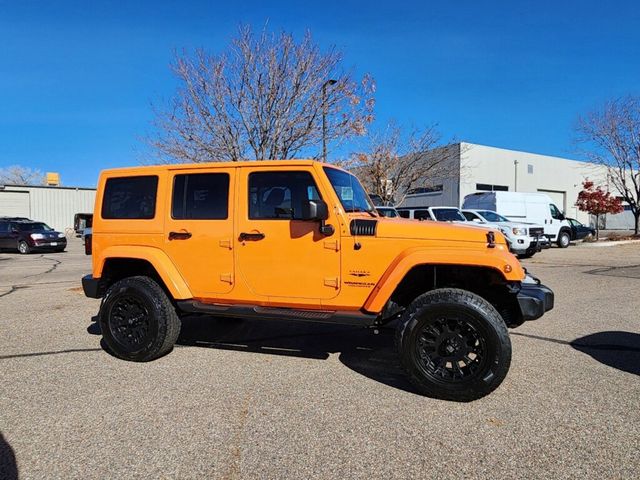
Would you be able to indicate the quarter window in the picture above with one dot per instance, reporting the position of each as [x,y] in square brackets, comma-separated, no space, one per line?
[280,195]
[130,197]
[200,196]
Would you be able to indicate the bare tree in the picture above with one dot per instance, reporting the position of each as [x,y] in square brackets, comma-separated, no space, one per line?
[262,99]
[18,175]
[611,135]
[394,164]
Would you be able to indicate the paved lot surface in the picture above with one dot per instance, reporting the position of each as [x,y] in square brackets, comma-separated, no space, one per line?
[274,400]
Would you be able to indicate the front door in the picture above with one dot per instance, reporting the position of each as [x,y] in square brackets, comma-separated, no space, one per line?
[199,229]
[279,255]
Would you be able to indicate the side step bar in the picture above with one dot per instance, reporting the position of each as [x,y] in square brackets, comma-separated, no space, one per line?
[276,313]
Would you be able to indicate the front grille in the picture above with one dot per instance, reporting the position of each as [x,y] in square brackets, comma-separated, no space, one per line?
[536,231]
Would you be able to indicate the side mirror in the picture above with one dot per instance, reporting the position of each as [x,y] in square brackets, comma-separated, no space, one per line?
[314,210]
[317,210]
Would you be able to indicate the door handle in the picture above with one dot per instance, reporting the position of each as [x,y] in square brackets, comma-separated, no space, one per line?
[251,236]
[179,235]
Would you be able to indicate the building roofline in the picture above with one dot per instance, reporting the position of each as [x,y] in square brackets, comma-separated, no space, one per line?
[523,151]
[11,185]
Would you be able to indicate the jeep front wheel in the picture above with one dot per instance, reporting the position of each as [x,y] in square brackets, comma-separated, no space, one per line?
[453,345]
[137,319]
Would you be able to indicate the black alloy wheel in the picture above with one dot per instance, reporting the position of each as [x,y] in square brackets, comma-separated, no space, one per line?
[453,345]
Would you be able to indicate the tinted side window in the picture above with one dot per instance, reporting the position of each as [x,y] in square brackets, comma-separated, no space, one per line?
[280,195]
[403,213]
[555,213]
[421,215]
[201,196]
[130,197]
[470,216]
[4,227]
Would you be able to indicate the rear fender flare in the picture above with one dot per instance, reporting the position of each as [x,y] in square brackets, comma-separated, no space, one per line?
[159,260]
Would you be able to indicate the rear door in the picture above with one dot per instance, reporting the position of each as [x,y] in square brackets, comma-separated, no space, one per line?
[199,228]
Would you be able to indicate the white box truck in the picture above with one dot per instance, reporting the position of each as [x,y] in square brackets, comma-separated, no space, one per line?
[535,208]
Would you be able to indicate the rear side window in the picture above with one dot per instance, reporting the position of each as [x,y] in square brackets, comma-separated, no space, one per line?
[130,197]
[403,213]
[280,195]
[201,196]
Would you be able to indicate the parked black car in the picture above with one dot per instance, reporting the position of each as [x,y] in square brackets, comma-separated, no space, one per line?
[27,236]
[580,231]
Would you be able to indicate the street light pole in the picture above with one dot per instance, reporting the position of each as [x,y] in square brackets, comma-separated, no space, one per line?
[324,117]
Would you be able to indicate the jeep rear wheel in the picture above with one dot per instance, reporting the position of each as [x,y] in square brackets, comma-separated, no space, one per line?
[137,319]
[453,345]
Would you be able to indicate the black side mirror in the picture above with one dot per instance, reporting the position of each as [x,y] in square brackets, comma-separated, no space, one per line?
[314,210]
[317,210]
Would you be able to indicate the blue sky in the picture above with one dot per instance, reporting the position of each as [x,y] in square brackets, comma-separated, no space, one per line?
[77,78]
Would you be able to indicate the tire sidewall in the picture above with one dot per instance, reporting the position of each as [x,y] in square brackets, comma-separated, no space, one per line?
[154,336]
[561,236]
[493,368]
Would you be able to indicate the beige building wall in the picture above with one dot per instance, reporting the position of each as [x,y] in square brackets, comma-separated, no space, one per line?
[559,178]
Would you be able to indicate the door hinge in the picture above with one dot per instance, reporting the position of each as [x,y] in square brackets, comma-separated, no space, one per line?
[331,282]
[226,278]
[226,243]
[331,245]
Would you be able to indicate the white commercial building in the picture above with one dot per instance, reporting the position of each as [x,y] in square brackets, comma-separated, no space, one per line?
[477,168]
[55,206]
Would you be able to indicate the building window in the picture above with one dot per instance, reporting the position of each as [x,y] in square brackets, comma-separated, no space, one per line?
[486,187]
[432,189]
[529,168]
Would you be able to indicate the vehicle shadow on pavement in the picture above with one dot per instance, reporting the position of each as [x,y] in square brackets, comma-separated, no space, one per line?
[616,349]
[359,349]
[8,465]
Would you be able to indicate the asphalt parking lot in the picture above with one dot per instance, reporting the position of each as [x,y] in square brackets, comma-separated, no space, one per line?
[240,399]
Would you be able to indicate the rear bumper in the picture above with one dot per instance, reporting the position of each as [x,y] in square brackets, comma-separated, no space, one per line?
[91,286]
[535,300]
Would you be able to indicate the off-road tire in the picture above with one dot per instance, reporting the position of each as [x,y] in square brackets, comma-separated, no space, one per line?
[131,305]
[564,239]
[23,247]
[478,318]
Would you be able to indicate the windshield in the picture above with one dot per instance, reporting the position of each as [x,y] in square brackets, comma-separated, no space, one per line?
[448,215]
[490,216]
[32,227]
[351,194]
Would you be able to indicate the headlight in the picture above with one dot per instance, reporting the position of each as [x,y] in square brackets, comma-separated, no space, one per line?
[61,235]
[519,231]
[37,236]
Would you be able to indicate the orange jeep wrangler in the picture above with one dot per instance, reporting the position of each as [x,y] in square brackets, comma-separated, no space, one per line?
[301,240]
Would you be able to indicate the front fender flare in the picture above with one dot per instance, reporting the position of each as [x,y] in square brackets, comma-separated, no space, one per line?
[157,258]
[497,258]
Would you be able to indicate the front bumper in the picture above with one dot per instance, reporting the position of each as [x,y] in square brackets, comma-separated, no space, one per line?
[91,286]
[534,300]
[48,244]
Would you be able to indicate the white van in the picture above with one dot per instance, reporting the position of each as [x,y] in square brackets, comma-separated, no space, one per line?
[535,208]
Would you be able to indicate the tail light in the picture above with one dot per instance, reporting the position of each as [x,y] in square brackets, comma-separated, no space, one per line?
[87,244]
